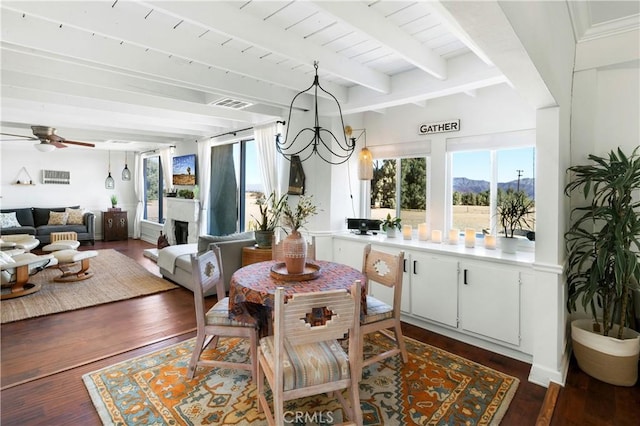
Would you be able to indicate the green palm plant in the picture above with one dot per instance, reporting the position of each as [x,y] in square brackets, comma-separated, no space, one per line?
[603,240]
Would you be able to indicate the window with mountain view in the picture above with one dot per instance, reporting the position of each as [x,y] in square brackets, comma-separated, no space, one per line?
[477,175]
[400,191]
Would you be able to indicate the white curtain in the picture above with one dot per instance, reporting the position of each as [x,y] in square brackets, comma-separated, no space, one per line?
[138,189]
[268,158]
[166,159]
[204,179]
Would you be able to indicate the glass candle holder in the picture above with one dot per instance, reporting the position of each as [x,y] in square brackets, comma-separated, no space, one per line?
[406,232]
[423,233]
[453,235]
[490,242]
[469,237]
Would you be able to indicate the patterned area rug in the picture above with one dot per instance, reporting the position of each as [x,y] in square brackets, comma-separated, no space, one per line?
[435,387]
[115,277]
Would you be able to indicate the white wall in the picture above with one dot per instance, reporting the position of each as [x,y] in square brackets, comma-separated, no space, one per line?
[88,169]
[496,109]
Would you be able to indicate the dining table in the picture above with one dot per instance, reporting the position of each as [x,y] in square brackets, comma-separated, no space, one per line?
[252,288]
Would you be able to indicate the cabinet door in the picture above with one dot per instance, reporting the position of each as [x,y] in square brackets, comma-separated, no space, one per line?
[348,253]
[434,288]
[490,301]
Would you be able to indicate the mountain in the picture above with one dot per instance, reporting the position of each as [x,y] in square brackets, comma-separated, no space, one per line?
[476,186]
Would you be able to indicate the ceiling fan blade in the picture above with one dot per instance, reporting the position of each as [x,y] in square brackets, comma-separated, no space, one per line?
[59,139]
[19,136]
[79,143]
[57,144]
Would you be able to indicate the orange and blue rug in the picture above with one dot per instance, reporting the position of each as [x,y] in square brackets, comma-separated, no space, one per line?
[435,387]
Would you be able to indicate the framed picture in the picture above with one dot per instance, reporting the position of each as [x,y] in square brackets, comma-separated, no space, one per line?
[184,170]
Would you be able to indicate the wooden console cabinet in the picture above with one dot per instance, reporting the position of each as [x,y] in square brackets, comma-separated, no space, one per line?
[115,226]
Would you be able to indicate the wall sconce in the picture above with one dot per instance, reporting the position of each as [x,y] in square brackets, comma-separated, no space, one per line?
[322,140]
[126,173]
[109,183]
[365,159]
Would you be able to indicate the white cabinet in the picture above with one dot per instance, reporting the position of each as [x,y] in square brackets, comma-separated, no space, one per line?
[348,252]
[434,287]
[479,299]
[490,301]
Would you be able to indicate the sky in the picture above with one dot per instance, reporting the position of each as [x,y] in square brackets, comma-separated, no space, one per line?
[475,165]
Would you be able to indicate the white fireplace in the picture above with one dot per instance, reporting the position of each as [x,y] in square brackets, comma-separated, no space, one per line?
[183,210]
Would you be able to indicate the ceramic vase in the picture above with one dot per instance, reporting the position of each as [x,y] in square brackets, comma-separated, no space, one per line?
[294,249]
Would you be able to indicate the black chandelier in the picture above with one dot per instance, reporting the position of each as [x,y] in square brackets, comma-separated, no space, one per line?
[321,140]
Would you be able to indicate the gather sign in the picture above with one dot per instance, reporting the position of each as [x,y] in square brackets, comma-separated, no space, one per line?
[439,127]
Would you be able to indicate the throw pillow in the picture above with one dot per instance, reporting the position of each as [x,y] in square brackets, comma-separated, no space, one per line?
[57,218]
[75,216]
[9,220]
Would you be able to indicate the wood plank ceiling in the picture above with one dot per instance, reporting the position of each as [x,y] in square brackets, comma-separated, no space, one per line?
[137,74]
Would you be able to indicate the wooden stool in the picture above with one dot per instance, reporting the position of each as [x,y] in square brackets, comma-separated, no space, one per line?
[66,260]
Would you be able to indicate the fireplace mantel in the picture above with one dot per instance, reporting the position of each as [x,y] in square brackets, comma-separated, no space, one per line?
[185,210]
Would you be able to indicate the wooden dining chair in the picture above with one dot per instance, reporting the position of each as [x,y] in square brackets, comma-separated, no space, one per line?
[385,269]
[215,323]
[304,357]
[278,254]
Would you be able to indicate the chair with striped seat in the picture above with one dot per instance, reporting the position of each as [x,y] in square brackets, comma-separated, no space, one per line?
[215,323]
[304,357]
[385,269]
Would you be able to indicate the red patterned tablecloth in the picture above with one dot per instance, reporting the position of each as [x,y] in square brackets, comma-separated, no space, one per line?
[252,287]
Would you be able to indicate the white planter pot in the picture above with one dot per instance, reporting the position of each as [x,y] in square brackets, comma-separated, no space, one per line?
[391,232]
[509,245]
[606,358]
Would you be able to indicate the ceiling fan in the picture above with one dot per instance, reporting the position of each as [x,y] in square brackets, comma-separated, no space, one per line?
[48,139]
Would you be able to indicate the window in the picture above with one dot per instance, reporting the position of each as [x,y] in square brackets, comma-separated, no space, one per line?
[153,189]
[235,185]
[481,177]
[400,191]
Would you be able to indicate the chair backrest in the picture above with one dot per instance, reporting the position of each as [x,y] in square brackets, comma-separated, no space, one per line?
[206,270]
[386,269]
[277,252]
[316,316]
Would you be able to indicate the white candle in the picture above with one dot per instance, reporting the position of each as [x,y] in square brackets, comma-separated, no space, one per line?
[406,232]
[436,236]
[469,237]
[423,232]
[453,235]
[490,242]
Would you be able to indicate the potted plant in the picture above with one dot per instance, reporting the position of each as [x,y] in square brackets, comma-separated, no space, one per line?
[513,211]
[114,201]
[390,225]
[294,247]
[270,210]
[603,255]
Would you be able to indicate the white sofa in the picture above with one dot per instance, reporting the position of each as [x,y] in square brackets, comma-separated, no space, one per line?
[175,261]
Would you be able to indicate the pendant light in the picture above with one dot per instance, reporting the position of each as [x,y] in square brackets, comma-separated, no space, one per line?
[109,183]
[319,140]
[365,158]
[126,173]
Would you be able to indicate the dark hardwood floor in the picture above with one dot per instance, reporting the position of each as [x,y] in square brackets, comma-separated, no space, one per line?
[43,360]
